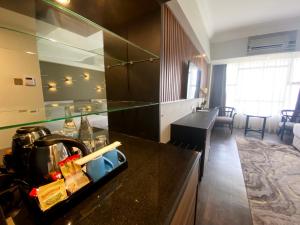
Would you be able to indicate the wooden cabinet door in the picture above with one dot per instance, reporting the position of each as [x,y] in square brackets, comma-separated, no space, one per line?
[185,213]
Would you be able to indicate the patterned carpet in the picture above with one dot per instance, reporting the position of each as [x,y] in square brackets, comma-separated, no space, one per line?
[272,178]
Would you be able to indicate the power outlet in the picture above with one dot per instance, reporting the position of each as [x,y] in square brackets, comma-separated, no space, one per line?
[29,81]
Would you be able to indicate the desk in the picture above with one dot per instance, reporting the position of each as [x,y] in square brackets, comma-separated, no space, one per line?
[194,131]
[262,130]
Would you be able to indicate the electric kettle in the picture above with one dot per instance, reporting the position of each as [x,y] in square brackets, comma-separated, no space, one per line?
[47,152]
[22,144]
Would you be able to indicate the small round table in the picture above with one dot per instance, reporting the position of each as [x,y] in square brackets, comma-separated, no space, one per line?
[262,130]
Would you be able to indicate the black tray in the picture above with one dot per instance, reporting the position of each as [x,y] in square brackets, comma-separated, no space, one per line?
[48,216]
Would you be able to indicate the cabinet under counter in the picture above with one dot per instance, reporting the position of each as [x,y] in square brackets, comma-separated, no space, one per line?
[159,187]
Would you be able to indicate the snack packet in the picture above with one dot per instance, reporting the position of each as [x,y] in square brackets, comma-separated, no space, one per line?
[50,194]
[74,177]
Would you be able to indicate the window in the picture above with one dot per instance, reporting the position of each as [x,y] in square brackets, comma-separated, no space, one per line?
[263,87]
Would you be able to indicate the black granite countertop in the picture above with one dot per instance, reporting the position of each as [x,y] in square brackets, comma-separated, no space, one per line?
[146,193]
[198,119]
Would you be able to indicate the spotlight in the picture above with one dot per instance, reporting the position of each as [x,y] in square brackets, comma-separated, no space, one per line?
[52,86]
[86,76]
[68,80]
[98,88]
[63,2]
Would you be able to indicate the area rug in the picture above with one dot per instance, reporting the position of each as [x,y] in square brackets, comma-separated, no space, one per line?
[272,179]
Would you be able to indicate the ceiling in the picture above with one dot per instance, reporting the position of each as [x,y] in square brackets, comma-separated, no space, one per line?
[221,16]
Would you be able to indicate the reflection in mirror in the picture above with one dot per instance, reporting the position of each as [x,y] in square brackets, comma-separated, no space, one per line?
[40,75]
[51,57]
[20,101]
[78,72]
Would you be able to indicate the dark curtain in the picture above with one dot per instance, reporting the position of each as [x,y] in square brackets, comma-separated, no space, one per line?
[297,108]
[296,114]
[197,92]
[218,87]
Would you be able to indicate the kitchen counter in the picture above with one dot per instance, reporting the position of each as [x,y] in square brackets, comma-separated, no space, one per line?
[146,193]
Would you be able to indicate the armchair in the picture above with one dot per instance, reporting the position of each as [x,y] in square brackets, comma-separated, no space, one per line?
[288,119]
[226,117]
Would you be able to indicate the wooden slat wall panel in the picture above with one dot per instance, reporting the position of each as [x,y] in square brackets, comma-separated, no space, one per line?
[177,49]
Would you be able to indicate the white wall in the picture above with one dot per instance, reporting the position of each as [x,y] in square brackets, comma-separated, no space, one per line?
[229,49]
[233,43]
[235,48]
[172,111]
[257,29]
[188,15]
[16,63]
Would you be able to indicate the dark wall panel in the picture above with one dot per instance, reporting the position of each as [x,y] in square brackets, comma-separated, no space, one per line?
[140,122]
[113,15]
[27,7]
[138,81]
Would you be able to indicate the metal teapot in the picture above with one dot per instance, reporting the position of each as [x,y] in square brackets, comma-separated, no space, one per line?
[48,151]
[22,145]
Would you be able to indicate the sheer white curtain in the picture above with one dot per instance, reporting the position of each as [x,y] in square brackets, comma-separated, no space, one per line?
[262,87]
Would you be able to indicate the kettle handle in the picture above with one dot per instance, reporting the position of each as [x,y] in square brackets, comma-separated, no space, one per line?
[56,138]
[26,130]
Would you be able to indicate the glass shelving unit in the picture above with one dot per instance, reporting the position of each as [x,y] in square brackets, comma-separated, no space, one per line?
[117,58]
[112,49]
[56,112]
[143,54]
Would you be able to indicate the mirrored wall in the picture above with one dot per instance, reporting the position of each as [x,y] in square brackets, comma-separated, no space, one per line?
[53,58]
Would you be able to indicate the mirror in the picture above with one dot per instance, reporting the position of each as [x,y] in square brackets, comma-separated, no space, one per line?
[48,63]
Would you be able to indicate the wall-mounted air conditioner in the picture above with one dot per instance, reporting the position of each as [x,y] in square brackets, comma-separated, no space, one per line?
[272,43]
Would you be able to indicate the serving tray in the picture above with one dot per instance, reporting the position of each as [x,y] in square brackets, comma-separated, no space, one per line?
[48,216]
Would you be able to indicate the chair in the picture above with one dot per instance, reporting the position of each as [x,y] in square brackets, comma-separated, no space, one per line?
[288,119]
[226,117]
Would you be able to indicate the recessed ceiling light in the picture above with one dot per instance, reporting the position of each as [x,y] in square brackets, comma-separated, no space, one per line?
[201,56]
[53,40]
[63,2]
[30,53]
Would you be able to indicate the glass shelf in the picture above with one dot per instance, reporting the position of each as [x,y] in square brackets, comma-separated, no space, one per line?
[58,46]
[96,26]
[56,111]
[58,35]
[52,27]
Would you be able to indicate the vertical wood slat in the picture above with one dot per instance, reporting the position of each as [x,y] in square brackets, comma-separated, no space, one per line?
[177,49]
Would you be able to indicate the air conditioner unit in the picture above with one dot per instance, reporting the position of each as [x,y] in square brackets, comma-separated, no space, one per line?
[272,43]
